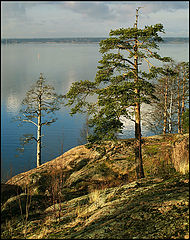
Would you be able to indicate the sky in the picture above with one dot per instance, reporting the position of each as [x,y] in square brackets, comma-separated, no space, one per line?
[46,19]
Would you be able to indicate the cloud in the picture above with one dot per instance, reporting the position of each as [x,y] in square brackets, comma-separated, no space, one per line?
[85,18]
[153,6]
[13,9]
[171,6]
[95,10]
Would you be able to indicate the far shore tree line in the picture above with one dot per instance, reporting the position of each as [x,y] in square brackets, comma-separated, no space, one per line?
[121,86]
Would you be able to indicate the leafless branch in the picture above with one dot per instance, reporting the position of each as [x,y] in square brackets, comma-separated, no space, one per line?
[28,120]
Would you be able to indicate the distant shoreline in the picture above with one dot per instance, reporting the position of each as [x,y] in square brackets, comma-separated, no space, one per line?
[170,40]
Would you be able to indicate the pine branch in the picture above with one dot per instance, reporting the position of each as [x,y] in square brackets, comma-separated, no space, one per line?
[49,122]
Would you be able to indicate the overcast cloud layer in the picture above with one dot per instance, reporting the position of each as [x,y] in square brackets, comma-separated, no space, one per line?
[38,19]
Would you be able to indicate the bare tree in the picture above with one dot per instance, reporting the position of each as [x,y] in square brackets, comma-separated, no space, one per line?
[38,107]
[183,91]
[172,88]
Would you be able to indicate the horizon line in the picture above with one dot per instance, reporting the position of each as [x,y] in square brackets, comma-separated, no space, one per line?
[68,37]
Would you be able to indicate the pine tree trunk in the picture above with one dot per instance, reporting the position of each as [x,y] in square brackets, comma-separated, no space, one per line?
[165,106]
[179,108]
[138,150]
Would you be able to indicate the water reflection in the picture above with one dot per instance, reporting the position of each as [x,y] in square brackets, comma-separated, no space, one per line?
[71,78]
[13,103]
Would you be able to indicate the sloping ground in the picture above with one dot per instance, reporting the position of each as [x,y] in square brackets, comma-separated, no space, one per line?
[109,165]
[92,193]
[146,209]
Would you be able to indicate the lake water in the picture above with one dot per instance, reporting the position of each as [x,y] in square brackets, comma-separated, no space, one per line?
[61,64]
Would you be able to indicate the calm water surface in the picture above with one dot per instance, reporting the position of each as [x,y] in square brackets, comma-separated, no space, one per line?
[61,64]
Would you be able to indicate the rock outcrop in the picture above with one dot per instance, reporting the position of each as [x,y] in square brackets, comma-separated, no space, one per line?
[110,165]
[145,209]
[93,193]
[180,156]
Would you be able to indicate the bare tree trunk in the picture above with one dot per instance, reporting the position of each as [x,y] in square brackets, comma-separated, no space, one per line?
[39,141]
[165,106]
[170,112]
[183,103]
[179,107]
[138,150]
[87,127]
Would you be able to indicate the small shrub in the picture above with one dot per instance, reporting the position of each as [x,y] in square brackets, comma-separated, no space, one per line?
[104,170]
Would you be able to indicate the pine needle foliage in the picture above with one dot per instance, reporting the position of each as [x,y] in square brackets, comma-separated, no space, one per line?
[114,85]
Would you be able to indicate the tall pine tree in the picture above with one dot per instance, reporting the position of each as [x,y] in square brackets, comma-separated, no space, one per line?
[120,85]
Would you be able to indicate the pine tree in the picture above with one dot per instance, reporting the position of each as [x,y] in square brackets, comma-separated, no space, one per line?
[120,86]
